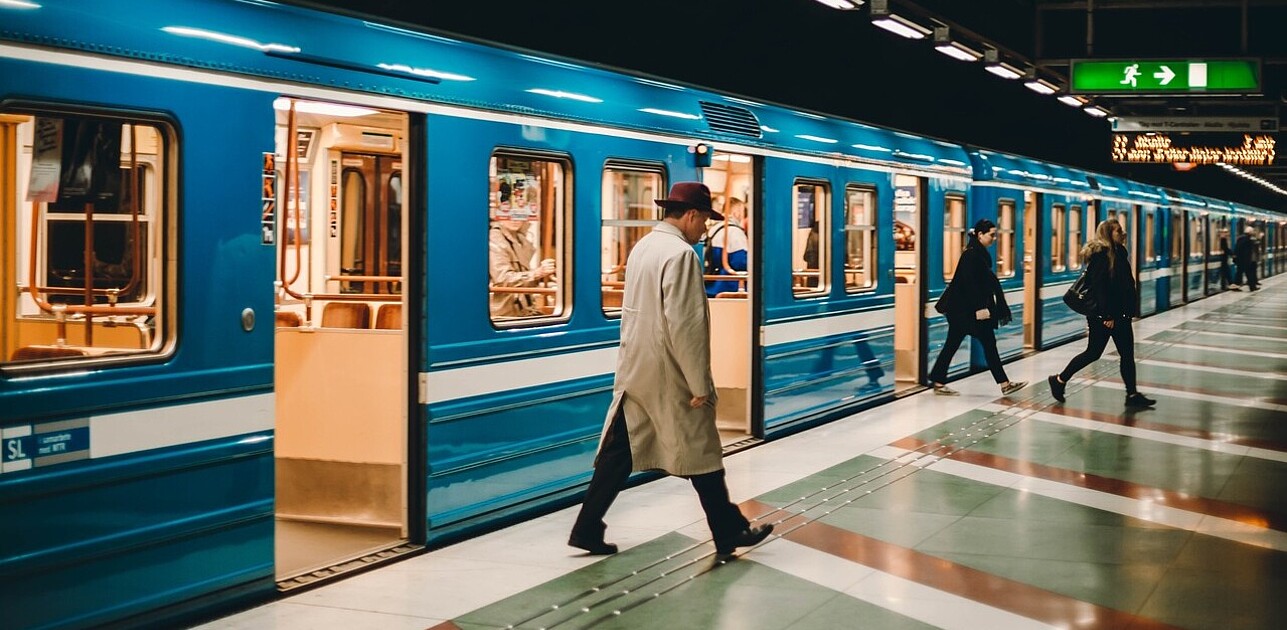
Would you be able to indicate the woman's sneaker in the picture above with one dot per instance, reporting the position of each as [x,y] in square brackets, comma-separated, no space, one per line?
[1013,387]
[944,390]
[1139,400]
[1056,387]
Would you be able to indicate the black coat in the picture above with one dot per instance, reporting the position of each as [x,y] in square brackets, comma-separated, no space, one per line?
[1113,289]
[1245,250]
[974,286]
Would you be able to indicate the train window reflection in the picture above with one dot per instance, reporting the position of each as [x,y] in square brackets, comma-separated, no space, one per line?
[91,198]
[809,247]
[1005,239]
[527,269]
[860,238]
[629,213]
[953,234]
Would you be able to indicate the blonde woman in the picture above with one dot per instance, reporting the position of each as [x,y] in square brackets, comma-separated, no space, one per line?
[1113,291]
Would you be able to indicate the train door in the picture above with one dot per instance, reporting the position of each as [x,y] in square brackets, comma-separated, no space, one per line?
[342,393]
[1031,271]
[909,316]
[729,250]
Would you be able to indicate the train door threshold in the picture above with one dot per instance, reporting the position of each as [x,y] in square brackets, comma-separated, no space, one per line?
[321,575]
[735,445]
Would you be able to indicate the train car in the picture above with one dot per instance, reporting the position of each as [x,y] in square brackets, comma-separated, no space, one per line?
[263,325]
[1189,250]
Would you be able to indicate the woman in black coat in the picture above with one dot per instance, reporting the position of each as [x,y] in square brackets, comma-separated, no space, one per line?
[974,305]
[1113,294]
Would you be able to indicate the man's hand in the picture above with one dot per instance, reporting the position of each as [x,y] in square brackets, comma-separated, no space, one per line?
[697,401]
[982,314]
[1108,323]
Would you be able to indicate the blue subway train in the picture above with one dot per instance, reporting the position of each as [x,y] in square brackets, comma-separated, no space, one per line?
[271,311]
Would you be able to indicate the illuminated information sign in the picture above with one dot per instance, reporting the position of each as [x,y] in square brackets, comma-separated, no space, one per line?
[1159,148]
[1165,77]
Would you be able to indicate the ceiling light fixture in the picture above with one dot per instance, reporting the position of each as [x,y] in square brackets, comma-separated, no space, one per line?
[956,50]
[992,57]
[896,24]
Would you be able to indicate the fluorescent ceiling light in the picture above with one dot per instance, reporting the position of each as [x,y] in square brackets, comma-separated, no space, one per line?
[901,26]
[325,109]
[18,4]
[1041,86]
[843,5]
[1004,70]
[424,72]
[568,95]
[666,112]
[1072,101]
[1097,112]
[805,136]
[224,38]
[957,50]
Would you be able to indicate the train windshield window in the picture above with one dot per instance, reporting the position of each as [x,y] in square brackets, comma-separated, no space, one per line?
[1005,239]
[860,239]
[629,213]
[527,265]
[953,234]
[1074,237]
[87,224]
[810,250]
[1057,227]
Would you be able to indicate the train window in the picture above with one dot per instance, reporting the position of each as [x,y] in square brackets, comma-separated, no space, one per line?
[1177,236]
[93,198]
[1057,237]
[629,214]
[1195,236]
[1074,237]
[953,233]
[860,238]
[809,247]
[1005,239]
[527,262]
[1150,232]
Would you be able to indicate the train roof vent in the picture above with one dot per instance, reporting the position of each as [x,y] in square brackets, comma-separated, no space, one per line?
[731,119]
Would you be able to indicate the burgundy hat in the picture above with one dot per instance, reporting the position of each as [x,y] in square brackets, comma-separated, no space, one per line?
[685,195]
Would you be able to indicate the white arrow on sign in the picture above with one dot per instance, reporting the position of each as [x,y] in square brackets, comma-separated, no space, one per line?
[1165,75]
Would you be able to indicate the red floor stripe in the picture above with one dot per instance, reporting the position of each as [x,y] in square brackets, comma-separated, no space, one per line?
[1132,419]
[999,592]
[1119,487]
[1197,390]
[446,625]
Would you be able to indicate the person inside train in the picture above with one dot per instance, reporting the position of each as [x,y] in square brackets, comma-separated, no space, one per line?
[662,415]
[1224,253]
[510,264]
[726,236]
[974,305]
[1113,305]
[1246,254]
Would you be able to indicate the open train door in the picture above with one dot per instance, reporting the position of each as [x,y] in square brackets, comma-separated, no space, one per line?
[1031,271]
[334,193]
[909,287]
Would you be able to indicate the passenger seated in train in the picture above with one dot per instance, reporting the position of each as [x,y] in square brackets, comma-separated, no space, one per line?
[726,236]
[510,264]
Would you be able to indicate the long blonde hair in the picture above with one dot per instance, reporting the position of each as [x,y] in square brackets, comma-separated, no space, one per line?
[1103,241]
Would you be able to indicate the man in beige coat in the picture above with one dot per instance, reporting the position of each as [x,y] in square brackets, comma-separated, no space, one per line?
[662,415]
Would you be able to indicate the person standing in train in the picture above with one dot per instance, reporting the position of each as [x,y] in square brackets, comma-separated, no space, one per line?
[510,254]
[1113,295]
[974,305]
[662,415]
[727,237]
[1224,252]
[1246,254]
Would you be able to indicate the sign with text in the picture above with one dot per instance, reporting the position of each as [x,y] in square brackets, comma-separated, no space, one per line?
[1197,124]
[1239,76]
[1160,148]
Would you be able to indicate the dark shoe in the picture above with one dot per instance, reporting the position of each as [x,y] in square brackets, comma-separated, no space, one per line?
[1138,400]
[745,538]
[593,547]
[1056,388]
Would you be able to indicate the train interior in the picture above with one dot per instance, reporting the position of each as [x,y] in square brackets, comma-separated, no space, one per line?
[1031,271]
[341,366]
[908,292]
[731,179]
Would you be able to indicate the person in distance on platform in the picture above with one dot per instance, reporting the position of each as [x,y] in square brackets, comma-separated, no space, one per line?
[1246,254]
[1224,252]
[662,415]
[974,305]
[1113,291]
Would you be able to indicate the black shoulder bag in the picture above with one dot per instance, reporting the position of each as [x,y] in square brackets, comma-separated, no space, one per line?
[1079,298]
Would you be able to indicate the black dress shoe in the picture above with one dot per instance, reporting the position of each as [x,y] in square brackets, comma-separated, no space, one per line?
[745,538]
[1138,400]
[593,547]
[1056,387]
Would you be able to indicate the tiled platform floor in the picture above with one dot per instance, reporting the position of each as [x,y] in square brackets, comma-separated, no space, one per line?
[970,512]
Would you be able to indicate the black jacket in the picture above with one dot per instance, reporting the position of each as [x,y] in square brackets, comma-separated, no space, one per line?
[974,286]
[1113,289]
[1245,250]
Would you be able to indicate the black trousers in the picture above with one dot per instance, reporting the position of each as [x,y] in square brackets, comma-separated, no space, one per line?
[1123,339]
[1250,272]
[956,332]
[611,470]
[1224,274]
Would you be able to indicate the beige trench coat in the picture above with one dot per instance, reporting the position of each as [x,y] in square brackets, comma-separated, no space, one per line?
[665,359]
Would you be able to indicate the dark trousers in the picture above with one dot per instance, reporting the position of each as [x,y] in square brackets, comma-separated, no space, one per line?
[1224,274]
[611,470]
[1123,339]
[1250,272]
[956,332]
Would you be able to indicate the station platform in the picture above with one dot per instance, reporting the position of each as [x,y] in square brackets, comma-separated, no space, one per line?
[977,511]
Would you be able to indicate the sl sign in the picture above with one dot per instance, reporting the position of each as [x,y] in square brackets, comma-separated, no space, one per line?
[1235,76]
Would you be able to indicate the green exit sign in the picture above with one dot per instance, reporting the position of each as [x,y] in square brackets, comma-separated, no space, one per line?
[1166,76]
